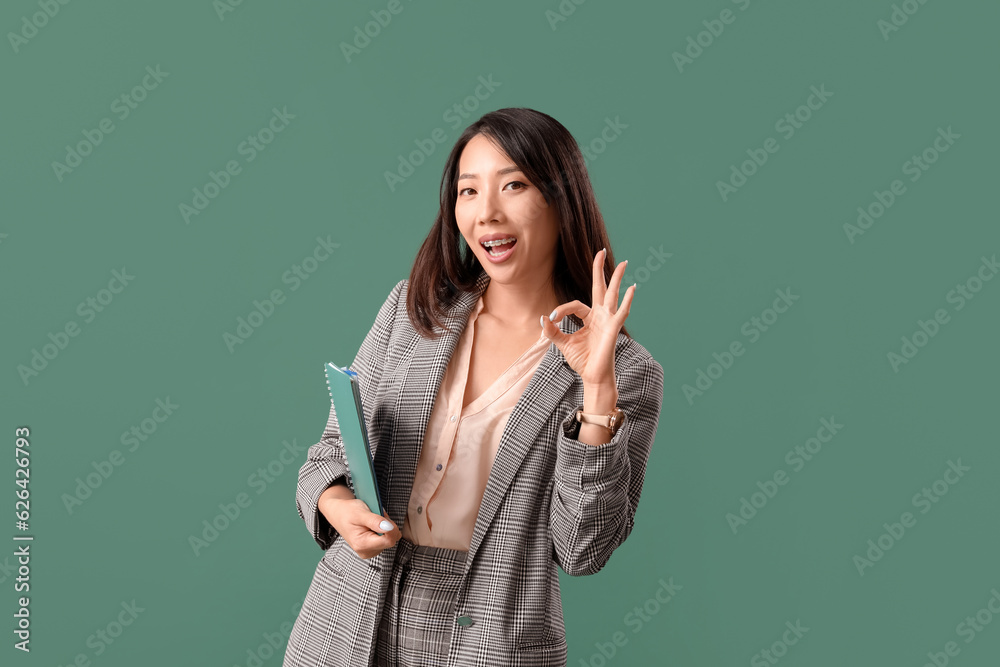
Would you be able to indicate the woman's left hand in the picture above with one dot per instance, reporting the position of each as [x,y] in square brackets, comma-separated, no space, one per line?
[590,351]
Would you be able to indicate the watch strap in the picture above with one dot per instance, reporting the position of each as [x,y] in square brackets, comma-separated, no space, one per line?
[611,421]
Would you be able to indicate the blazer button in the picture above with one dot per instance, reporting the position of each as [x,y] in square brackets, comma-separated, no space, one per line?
[464,620]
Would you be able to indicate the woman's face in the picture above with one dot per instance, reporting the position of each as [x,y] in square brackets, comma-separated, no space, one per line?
[496,202]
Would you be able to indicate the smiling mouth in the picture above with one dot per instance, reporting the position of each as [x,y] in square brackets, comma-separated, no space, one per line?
[500,246]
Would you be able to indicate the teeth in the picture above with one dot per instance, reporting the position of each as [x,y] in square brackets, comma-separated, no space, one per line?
[490,244]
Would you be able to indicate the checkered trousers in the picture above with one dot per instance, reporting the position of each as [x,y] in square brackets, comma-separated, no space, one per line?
[419,612]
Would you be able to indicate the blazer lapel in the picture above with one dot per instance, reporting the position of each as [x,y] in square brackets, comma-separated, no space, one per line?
[419,391]
[536,406]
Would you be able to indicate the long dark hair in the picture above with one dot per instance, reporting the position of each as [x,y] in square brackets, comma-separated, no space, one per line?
[551,160]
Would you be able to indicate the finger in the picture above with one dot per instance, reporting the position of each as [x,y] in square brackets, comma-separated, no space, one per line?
[575,307]
[378,524]
[626,307]
[600,287]
[375,537]
[553,332]
[396,533]
[369,545]
[611,298]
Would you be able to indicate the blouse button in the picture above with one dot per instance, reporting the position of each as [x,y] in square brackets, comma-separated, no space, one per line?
[439,466]
[420,508]
[453,417]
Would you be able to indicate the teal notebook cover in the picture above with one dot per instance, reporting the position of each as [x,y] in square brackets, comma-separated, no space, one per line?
[346,396]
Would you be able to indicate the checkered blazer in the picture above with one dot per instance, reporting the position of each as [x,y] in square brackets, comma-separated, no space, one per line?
[550,500]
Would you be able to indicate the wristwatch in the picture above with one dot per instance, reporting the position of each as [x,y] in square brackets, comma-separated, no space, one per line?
[611,421]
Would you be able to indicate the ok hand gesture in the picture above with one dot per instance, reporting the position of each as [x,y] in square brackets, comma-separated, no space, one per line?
[590,351]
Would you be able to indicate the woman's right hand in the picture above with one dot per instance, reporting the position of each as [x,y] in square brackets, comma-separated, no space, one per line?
[359,526]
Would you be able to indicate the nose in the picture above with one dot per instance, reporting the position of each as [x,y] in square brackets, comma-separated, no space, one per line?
[488,207]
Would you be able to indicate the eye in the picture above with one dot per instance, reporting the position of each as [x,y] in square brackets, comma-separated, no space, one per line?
[521,185]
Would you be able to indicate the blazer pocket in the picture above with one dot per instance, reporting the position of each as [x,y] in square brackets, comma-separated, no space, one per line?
[544,640]
[553,647]
[330,561]
[331,568]
[320,619]
[341,559]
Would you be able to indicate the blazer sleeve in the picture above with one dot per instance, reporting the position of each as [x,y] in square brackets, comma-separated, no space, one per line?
[325,461]
[596,488]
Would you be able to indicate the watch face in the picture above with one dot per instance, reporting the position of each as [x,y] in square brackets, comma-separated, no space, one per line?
[617,420]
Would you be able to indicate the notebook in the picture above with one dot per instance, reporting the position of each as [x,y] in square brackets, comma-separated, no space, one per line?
[346,395]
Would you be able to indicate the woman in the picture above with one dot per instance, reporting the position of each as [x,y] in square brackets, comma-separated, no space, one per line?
[489,478]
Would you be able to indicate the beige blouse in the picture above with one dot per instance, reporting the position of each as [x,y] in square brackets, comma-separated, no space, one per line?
[460,445]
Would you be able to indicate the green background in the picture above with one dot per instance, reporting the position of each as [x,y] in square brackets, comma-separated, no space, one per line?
[323,176]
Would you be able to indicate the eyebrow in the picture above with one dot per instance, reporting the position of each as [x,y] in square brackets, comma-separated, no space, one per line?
[505,170]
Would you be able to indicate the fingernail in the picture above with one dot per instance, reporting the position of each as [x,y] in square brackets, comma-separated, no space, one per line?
[604,250]
[386,526]
[626,261]
[541,321]
[633,284]
[552,315]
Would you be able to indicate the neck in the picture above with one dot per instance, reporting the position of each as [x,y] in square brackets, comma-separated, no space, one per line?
[519,306]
